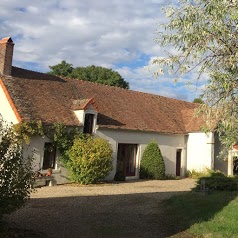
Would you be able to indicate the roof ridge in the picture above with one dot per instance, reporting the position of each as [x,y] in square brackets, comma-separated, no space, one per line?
[28,70]
[110,86]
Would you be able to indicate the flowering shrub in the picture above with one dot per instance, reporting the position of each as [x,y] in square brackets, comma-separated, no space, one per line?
[15,174]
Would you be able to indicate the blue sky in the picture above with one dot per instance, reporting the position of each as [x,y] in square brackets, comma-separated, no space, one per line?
[117,34]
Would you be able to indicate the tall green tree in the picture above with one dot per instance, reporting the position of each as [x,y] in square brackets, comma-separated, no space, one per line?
[203,36]
[62,69]
[91,73]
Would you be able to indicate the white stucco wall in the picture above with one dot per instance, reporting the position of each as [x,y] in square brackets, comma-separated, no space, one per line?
[200,151]
[6,110]
[168,145]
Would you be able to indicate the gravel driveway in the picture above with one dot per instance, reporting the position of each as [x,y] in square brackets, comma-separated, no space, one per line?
[130,209]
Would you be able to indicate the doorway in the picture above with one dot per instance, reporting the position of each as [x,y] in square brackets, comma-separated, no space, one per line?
[235,165]
[178,162]
[126,159]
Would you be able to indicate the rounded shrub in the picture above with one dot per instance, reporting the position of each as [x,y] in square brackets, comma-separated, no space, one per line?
[152,163]
[89,160]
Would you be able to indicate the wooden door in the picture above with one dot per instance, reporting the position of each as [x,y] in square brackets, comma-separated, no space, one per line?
[126,159]
[178,162]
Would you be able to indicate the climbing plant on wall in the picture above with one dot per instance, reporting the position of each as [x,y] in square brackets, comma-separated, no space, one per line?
[93,159]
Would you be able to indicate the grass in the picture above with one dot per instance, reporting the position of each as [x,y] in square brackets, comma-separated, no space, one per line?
[213,215]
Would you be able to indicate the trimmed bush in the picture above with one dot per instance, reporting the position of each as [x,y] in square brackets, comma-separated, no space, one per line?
[89,160]
[152,163]
[170,177]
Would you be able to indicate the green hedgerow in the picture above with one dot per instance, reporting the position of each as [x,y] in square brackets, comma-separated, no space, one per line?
[218,181]
[89,160]
[152,163]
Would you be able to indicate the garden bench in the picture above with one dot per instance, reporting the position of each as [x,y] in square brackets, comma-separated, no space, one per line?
[44,181]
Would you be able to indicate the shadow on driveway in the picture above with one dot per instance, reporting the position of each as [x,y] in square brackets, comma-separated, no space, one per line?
[125,215]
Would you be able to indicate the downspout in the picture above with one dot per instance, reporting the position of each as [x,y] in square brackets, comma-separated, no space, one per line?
[211,143]
[184,172]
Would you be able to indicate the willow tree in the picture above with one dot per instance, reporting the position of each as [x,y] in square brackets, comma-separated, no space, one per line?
[203,36]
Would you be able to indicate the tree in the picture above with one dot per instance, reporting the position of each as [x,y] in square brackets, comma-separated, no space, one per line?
[198,100]
[16,175]
[91,73]
[204,36]
[62,69]
[89,160]
[152,163]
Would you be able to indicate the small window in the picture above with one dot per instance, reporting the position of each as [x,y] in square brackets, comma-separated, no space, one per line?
[49,156]
[88,123]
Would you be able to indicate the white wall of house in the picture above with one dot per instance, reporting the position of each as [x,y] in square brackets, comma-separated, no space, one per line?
[36,149]
[168,145]
[197,154]
[6,110]
[200,151]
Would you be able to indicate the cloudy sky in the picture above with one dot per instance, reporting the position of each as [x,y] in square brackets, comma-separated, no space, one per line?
[118,34]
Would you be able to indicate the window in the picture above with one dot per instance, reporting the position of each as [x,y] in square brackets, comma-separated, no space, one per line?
[49,156]
[88,123]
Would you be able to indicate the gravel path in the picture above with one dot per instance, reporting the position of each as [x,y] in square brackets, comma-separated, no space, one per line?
[130,209]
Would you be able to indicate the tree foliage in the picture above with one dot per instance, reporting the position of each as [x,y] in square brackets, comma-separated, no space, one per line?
[62,69]
[152,163]
[91,73]
[89,160]
[203,35]
[198,100]
[16,176]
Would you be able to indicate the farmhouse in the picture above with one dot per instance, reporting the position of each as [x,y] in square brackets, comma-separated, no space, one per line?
[129,120]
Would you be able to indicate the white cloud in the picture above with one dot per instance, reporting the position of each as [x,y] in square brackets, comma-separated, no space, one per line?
[117,34]
[141,79]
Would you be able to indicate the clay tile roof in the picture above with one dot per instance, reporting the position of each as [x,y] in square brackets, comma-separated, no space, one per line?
[38,96]
[192,122]
[82,104]
[79,104]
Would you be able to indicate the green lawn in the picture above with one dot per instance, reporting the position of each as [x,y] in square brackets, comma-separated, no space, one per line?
[214,215]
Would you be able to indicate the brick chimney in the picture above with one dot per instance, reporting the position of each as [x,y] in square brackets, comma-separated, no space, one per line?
[6,53]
